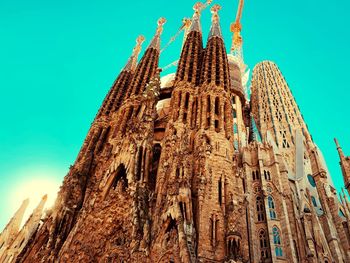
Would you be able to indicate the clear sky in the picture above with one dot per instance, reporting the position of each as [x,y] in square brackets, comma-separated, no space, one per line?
[59,58]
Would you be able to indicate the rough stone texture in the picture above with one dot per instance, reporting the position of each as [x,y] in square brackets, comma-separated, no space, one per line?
[176,173]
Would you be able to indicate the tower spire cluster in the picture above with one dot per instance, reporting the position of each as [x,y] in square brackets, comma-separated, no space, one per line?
[186,169]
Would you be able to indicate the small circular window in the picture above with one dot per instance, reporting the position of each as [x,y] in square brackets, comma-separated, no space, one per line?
[311,180]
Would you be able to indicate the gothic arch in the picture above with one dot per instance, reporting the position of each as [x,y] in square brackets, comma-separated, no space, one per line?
[118,177]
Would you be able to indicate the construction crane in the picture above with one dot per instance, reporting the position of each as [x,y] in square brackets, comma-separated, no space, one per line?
[236,29]
[237,43]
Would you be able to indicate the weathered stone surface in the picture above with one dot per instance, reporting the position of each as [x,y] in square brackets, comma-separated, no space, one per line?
[178,175]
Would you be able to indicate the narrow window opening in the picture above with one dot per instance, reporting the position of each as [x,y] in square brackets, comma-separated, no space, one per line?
[271,204]
[217,125]
[260,209]
[194,114]
[157,150]
[264,245]
[187,99]
[234,113]
[120,178]
[217,106]
[139,163]
[177,172]
[296,250]
[277,242]
[208,112]
[220,191]
[211,230]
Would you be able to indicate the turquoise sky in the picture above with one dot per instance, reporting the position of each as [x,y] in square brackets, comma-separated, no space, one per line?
[59,58]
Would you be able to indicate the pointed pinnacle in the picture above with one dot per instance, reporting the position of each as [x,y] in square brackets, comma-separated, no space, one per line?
[132,62]
[215,29]
[155,43]
[195,24]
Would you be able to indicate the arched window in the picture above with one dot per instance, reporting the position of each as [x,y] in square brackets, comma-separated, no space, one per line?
[277,242]
[253,175]
[260,209]
[271,207]
[264,244]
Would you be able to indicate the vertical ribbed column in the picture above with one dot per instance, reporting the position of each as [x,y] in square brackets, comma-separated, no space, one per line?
[190,60]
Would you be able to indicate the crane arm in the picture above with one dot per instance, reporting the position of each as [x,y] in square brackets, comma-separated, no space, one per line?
[239,11]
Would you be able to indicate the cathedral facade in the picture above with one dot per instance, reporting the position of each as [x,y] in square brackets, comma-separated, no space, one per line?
[185,168]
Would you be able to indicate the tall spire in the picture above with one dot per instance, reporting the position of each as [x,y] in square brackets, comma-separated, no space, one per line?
[215,30]
[132,62]
[115,96]
[12,228]
[148,65]
[190,60]
[155,43]
[215,68]
[195,24]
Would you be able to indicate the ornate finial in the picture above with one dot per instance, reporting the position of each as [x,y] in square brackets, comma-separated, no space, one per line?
[215,10]
[161,22]
[132,62]
[140,39]
[198,7]
[155,43]
[215,30]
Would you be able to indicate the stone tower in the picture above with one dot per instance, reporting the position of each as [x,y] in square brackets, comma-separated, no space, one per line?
[172,169]
[276,111]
